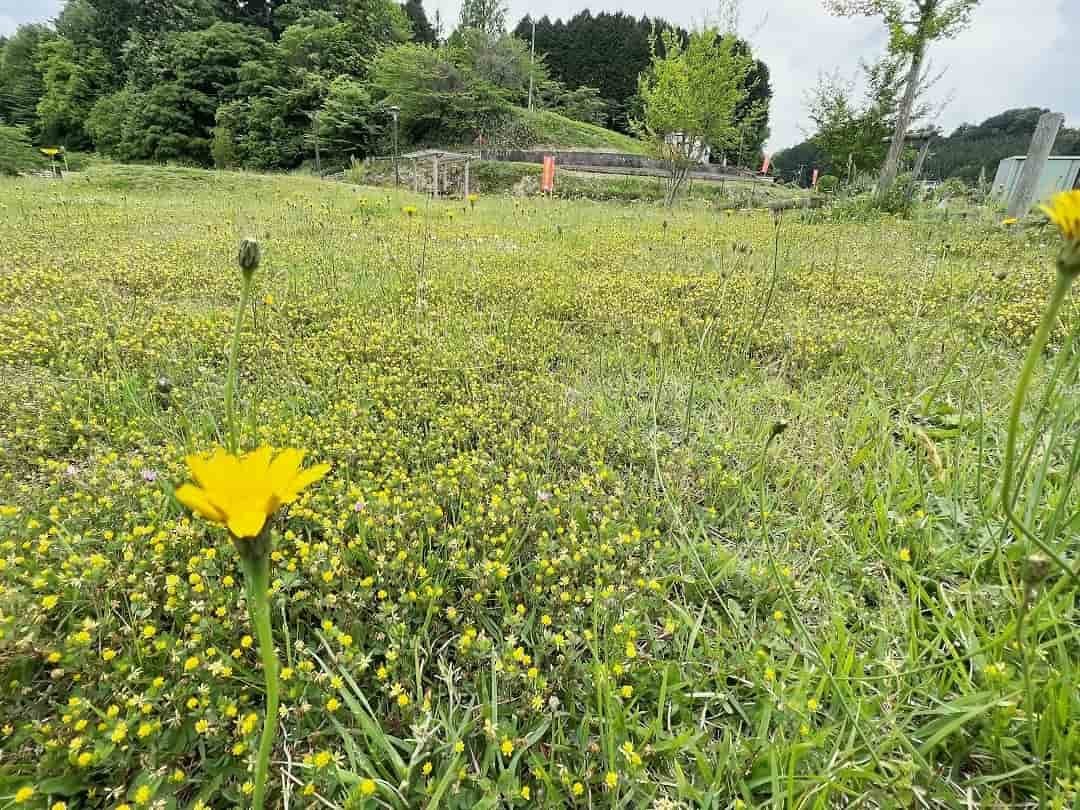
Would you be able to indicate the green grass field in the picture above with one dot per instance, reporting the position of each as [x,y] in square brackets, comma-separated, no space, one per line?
[555,563]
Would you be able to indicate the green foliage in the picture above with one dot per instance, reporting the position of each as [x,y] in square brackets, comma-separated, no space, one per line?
[16,153]
[223,148]
[502,61]
[828,183]
[271,129]
[21,82]
[434,94]
[606,51]
[852,133]
[171,112]
[549,128]
[350,123]
[486,16]
[694,91]
[107,121]
[422,32]
[797,164]
[976,148]
[582,104]
[690,98]
[72,81]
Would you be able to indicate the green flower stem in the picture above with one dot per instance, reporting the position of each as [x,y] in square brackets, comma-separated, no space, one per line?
[1042,337]
[230,378]
[257,583]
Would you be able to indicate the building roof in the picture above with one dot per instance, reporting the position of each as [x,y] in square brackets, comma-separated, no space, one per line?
[439,153]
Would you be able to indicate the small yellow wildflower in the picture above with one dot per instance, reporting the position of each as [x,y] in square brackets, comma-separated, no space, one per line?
[526,793]
[577,789]
[904,554]
[367,787]
[241,492]
[611,779]
[507,746]
[24,794]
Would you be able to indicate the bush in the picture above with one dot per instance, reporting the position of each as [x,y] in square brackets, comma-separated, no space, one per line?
[16,153]
[828,183]
[900,199]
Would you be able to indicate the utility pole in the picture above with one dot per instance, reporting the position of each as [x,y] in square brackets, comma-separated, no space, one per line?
[532,61]
[395,111]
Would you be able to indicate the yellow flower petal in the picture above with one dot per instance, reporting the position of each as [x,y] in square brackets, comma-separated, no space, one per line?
[242,492]
[302,481]
[247,524]
[284,469]
[195,499]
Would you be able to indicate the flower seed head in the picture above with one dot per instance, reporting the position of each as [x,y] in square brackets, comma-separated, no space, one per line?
[248,256]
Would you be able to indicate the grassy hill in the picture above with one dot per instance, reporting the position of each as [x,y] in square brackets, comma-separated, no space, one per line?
[554,130]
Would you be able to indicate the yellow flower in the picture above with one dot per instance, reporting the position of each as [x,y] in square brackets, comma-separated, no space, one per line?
[367,787]
[24,794]
[241,492]
[904,554]
[1009,221]
[611,780]
[1064,211]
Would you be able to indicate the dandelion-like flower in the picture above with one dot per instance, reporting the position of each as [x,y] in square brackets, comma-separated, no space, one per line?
[1064,211]
[242,492]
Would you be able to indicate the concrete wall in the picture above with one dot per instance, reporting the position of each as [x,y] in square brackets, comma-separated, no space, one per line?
[612,160]
[1060,174]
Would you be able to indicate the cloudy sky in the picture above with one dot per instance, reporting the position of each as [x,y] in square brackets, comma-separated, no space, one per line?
[1018,53]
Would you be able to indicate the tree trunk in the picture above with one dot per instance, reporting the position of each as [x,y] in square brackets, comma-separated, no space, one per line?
[903,121]
[916,173]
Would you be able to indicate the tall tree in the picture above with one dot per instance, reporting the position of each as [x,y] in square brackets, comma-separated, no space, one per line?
[690,97]
[488,16]
[913,25]
[21,82]
[422,31]
[73,79]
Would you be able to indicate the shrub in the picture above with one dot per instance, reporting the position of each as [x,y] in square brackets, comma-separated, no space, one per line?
[828,183]
[16,153]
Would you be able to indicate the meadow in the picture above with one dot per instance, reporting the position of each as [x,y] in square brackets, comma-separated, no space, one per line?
[629,506]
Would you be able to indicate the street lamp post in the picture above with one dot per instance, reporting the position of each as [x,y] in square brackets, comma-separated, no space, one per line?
[395,111]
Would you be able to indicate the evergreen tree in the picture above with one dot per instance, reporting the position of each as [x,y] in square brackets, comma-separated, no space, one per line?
[422,31]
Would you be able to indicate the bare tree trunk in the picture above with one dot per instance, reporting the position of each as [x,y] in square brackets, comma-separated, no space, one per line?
[916,173]
[903,121]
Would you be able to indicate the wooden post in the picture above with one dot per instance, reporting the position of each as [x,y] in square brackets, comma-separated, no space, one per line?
[1042,142]
[466,178]
[415,177]
[920,161]
[435,174]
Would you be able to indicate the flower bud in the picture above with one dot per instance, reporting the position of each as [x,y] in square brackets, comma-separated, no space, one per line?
[248,256]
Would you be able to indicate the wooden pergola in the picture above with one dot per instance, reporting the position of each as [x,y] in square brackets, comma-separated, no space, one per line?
[438,159]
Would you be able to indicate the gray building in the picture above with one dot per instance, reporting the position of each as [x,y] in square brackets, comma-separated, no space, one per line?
[1060,174]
